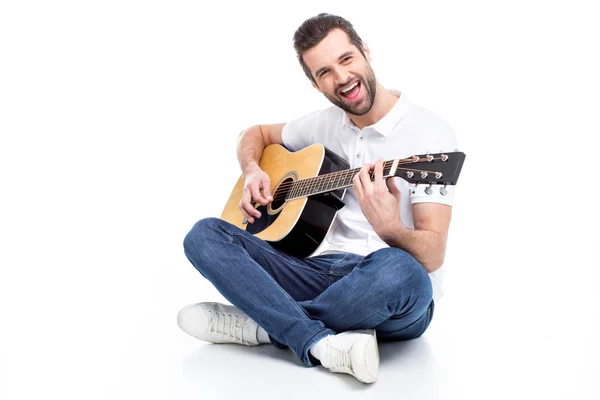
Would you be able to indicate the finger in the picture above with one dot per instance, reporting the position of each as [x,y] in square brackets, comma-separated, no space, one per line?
[256,194]
[379,174]
[369,166]
[365,178]
[250,209]
[245,214]
[247,204]
[266,185]
[357,186]
[364,173]
[392,187]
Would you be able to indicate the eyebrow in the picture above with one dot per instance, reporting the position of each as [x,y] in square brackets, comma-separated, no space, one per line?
[346,54]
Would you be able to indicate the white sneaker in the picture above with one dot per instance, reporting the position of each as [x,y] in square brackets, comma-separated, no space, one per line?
[353,352]
[218,323]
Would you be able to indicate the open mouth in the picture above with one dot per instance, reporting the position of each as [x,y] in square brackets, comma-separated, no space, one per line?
[351,91]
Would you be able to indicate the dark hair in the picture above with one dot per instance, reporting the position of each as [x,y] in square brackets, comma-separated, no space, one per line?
[314,29]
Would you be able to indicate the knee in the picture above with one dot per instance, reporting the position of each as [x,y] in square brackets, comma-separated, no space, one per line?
[201,231]
[397,271]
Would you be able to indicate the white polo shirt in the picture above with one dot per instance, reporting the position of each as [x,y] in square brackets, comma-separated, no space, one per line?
[404,131]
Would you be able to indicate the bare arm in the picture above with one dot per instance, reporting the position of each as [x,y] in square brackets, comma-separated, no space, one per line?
[380,203]
[427,242]
[251,144]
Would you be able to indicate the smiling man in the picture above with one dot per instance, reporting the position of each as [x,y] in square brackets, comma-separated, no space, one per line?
[378,277]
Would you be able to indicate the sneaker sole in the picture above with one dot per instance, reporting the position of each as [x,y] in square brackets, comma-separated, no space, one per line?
[369,357]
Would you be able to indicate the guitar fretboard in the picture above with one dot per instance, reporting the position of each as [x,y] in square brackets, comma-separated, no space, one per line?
[330,182]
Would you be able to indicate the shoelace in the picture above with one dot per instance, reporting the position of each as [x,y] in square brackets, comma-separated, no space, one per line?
[339,359]
[228,325]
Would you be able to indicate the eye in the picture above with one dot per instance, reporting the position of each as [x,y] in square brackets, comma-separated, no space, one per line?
[346,59]
[323,73]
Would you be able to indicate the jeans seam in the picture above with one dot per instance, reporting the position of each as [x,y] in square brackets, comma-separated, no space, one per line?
[275,253]
[306,348]
[334,265]
[428,312]
[357,325]
[294,303]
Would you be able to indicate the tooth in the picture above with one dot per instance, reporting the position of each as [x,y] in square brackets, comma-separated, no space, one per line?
[350,87]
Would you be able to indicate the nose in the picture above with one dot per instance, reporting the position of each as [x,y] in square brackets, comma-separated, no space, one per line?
[341,75]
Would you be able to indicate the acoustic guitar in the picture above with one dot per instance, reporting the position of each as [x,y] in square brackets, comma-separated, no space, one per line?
[308,188]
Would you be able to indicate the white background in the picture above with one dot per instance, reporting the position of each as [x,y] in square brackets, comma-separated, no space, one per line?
[119,121]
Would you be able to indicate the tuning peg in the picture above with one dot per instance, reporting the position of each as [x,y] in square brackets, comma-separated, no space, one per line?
[443,191]
[428,190]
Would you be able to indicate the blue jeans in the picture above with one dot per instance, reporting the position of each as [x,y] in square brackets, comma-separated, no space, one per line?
[300,301]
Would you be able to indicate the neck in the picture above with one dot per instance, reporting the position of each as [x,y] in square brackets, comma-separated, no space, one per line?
[383,103]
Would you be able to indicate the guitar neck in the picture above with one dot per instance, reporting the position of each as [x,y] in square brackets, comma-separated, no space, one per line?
[432,169]
[331,182]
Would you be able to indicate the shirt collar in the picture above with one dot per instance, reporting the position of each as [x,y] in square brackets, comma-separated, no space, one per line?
[386,125]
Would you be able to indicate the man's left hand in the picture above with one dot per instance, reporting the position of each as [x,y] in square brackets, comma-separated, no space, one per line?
[380,206]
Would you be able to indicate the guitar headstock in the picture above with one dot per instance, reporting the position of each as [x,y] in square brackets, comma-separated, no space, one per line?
[435,169]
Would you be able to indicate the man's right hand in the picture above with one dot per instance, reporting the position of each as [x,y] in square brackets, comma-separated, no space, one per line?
[255,180]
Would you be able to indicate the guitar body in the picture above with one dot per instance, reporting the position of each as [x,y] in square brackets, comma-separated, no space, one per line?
[296,226]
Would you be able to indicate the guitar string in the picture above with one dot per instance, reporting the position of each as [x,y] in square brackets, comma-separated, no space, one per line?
[280,193]
[316,182]
[328,178]
[284,195]
[333,175]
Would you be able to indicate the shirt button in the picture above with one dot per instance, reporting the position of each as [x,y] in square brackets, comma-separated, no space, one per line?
[362,138]
[358,155]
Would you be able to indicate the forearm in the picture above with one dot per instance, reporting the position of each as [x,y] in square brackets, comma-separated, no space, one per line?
[250,148]
[428,247]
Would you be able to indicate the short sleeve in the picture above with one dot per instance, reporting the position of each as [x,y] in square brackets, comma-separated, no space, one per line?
[441,138]
[300,132]
[418,194]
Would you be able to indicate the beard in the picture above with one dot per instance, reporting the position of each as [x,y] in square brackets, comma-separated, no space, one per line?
[369,85]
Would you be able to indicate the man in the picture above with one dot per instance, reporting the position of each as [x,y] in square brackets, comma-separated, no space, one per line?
[372,283]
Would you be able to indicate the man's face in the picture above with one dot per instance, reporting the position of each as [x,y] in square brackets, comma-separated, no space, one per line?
[341,73]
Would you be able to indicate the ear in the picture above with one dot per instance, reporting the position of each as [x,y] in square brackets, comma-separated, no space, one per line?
[315,86]
[367,51]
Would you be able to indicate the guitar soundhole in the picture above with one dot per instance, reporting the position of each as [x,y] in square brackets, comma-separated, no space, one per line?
[270,213]
[280,195]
